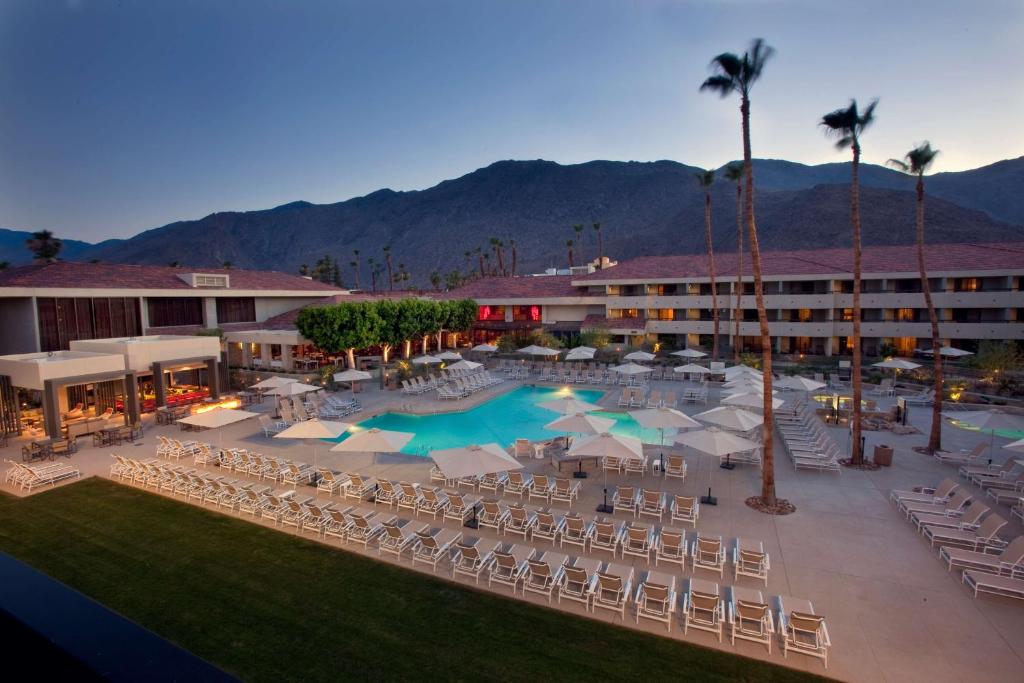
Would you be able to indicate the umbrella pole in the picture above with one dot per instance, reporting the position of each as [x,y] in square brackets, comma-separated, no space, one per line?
[605,507]
[728,465]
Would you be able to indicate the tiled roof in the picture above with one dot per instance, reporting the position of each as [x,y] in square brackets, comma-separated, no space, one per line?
[72,275]
[898,259]
[519,287]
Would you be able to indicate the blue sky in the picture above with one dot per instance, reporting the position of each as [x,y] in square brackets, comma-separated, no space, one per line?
[122,116]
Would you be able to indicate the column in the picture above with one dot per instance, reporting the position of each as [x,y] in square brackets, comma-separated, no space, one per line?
[287,362]
[132,410]
[159,388]
[213,377]
[246,354]
[51,409]
[266,355]
[210,312]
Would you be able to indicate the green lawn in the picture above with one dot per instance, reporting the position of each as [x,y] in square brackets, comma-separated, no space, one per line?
[267,606]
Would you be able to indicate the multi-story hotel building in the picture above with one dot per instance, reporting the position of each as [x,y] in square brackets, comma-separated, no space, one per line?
[808,295]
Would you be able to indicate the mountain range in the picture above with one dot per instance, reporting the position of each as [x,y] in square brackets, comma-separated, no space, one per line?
[644,207]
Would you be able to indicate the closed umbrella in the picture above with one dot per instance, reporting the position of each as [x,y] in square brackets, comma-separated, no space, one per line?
[716,442]
[607,445]
[798,383]
[473,461]
[749,400]
[567,405]
[465,365]
[689,353]
[316,429]
[580,423]
[373,441]
[639,355]
[449,355]
[485,348]
[731,417]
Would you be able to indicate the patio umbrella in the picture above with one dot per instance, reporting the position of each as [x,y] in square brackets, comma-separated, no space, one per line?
[743,384]
[449,355]
[217,418]
[580,353]
[631,369]
[567,405]
[465,365]
[689,353]
[484,348]
[534,350]
[352,376]
[316,429]
[798,383]
[293,389]
[273,382]
[896,364]
[1017,445]
[731,417]
[639,355]
[949,352]
[749,400]
[580,423]
[692,369]
[989,421]
[607,445]
[736,370]
[373,441]
[426,360]
[714,441]
[662,419]
[474,461]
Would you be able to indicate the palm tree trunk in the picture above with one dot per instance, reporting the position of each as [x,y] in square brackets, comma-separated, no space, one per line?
[600,251]
[935,435]
[711,273]
[391,276]
[480,257]
[768,428]
[515,261]
[856,454]
[738,313]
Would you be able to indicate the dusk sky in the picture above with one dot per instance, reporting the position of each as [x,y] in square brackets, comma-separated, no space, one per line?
[121,116]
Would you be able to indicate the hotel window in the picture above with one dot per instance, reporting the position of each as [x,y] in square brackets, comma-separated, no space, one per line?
[491,313]
[619,313]
[614,290]
[906,315]
[531,313]
[804,315]
[64,320]
[173,311]
[661,314]
[236,310]
[967,284]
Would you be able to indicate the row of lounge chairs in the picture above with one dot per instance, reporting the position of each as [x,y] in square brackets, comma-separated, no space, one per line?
[966,532]
[28,477]
[470,383]
[325,407]
[806,439]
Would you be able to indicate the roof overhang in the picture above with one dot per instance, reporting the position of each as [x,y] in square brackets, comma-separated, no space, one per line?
[287,337]
[33,370]
[139,353]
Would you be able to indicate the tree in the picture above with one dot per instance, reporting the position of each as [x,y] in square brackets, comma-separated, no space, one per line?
[578,230]
[304,270]
[916,163]
[373,274]
[356,266]
[435,280]
[496,246]
[387,259]
[848,124]
[4,265]
[515,256]
[174,264]
[336,276]
[738,74]
[596,337]
[44,246]
[341,327]
[480,257]
[568,245]
[226,264]
[453,279]
[469,262]
[600,246]
[734,174]
[461,315]
[705,179]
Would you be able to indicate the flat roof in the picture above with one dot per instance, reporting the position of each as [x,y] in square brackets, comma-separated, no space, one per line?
[32,370]
[139,353]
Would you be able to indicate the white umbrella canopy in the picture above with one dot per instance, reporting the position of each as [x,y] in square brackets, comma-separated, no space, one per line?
[314,429]
[449,355]
[580,423]
[631,369]
[471,461]
[731,417]
[663,418]
[580,353]
[352,376]
[293,389]
[534,350]
[607,445]
[567,405]
[749,400]
[692,368]
[273,383]
[896,364]
[798,383]
[639,355]
[425,360]
[485,348]
[465,365]
[689,353]
[717,442]
[1017,445]
[989,420]
[744,382]
[374,440]
[218,417]
[949,352]
[736,370]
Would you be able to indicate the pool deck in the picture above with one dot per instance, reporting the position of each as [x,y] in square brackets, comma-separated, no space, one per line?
[893,611]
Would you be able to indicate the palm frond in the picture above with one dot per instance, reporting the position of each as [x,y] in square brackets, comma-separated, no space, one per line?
[733,172]
[728,63]
[900,165]
[705,178]
[755,59]
[723,85]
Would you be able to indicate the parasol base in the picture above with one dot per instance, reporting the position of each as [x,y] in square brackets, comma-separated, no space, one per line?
[472,524]
[606,509]
[709,500]
[579,475]
[728,466]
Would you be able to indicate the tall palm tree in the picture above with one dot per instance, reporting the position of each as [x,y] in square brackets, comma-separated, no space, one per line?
[469,263]
[568,245]
[706,179]
[515,256]
[848,124]
[303,270]
[356,266]
[391,273]
[435,280]
[480,257]
[916,163]
[44,246]
[373,273]
[578,229]
[738,74]
[734,174]
[600,245]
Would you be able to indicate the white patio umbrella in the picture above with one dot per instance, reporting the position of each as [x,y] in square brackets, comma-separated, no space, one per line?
[989,421]
[1017,445]
[607,445]
[273,382]
[352,376]
[567,405]
[465,365]
[580,423]
[485,348]
[449,355]
[315,429]
[217,418]
[473,461]
[426,360]
[293,389]
[731,417]
[639,355]
[716,442]
[744,383]
[949,352]
[689,353]
[692,369]
[749,400]
[534,350]
[580,353]
[631,369]
[798,383]
[662,419]
[735,370]
[896,364]
[373,441]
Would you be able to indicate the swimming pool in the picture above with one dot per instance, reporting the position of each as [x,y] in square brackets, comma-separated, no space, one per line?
[502,419]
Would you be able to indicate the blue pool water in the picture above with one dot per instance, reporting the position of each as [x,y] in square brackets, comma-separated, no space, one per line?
[502,420]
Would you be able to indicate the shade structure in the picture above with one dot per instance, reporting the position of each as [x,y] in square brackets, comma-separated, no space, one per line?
[314,429]
[465,365]
[580,423]
[534,350]
[949,352]
[798,383]
[692,369]
[273,383]
[744,383]
[567,405]
[218,417]
[731,417]
[896,364]
[580,353]
[663,418]
[989,421]
[293,389]
[426,360]
[352,376]
[715,441]
[749,400]
[474,460]
[608,445]
[449,355]
[689,353]
[485,348]
[631,369]
[374,440]
[639,355]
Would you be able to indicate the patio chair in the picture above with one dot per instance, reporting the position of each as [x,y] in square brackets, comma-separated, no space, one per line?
[952,507]
[750,559]
[708,553]
[575,531]
[398,536]
[565,490]
[575,584]
[460,506]
[985,535]
[518,483]
[625,499]
[606,535]
[803,629]
[670,546]
[651,503]
[493,515]
[969,521]
[675,467]
[961,457]
[656,598]
[750,617]
[473,556]
[548,526]
[433,546]
[432,501]
[1005,586]
[541,488]
[702,607]
[937,494]
[365,526]
[638,541]
[520,521]
[1008,560]
[492,482]
[522,448]
[359,487]
[612,589]
[409,497]
[329,482]
[509,565]
[387,493]
[543,573]
[684,509]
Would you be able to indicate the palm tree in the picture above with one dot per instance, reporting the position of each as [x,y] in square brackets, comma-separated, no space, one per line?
[480,258]
[916,163]
[356,266]
[487,263]
[469,263]
[226,265]
[568,245]
[705,179]
[578,229]
[435,280]
[848,124]
[373,273]
[303,270]
[515,256]
[496,246]
[738,74]
[387,259]
[734,174]
[600,245]
[44,246]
